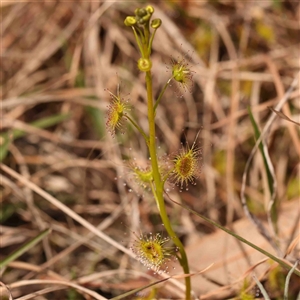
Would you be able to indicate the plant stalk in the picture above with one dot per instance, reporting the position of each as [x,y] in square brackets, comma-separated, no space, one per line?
[159,185]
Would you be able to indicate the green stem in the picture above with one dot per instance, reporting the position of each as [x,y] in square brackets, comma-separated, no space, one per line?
[138,128]
[161,93]
[147,35]
[159,184]
[151,41]
[24,248]
[166,176]
[138,41]
[154,194]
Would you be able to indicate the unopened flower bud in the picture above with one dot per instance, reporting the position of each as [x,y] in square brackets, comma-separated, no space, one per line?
[130,21]
[145,19]
[156,23]
[150,9]
[144,64]
[141,12]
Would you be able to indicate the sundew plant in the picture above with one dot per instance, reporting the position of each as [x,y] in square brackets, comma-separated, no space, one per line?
[180,169]
[183,167]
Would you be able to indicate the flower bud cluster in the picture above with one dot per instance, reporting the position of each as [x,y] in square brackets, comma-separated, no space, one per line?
[142,16]
[140,23]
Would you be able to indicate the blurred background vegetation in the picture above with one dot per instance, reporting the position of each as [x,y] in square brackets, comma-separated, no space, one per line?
[57,59]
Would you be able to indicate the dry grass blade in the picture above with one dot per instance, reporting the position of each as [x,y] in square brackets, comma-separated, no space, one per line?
[160,281]
[41,292]
[57,282]
[292,245]
[10,297]
[65,209]
[283,116]
[261,287]
[287,281]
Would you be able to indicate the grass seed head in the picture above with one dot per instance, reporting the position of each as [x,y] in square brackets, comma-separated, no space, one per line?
[116,113]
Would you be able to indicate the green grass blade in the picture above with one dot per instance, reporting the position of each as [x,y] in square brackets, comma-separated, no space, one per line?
[98,119]
[257,135]
[24,248]
[4,146]
[7,210]
[42,123]
[17,133]
[278,260]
